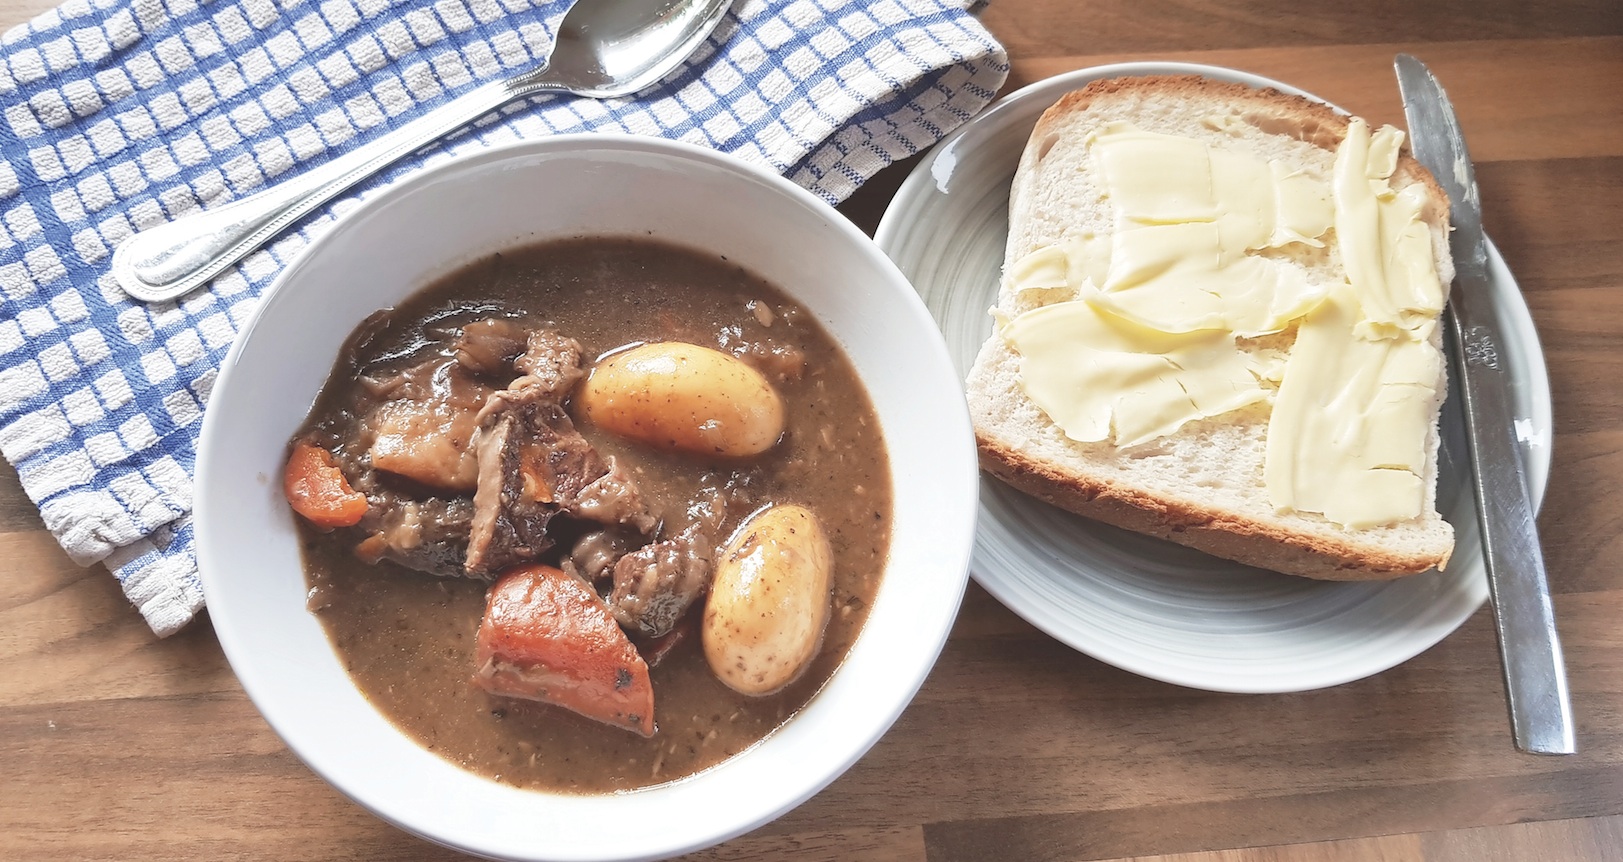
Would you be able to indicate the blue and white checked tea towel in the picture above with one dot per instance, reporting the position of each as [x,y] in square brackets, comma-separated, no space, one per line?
[122,114]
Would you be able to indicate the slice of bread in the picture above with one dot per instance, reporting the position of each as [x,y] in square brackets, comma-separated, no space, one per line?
[1203,485]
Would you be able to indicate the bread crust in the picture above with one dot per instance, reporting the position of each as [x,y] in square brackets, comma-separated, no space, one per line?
[1259,539]
[1219,532]
[1325,126]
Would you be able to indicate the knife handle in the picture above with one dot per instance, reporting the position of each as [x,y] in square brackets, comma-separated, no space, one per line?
[1535,674]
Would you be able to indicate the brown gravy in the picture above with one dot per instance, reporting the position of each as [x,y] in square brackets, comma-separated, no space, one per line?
[407,638]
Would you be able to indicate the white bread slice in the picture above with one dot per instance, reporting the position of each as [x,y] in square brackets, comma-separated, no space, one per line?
[1203,485]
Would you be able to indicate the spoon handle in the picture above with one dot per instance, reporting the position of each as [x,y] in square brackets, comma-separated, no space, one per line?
[172,259]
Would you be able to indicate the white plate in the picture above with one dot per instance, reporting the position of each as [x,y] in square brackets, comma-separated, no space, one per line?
[1148,606]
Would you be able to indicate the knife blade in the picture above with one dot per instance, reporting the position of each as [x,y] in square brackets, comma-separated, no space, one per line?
[1535,672]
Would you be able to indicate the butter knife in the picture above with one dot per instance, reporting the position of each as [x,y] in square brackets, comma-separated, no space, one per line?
[1535,674]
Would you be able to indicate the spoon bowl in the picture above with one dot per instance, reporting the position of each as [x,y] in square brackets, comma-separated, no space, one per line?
[618,48]
[604,49]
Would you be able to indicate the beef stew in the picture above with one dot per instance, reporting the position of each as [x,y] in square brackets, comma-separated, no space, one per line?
[458,419]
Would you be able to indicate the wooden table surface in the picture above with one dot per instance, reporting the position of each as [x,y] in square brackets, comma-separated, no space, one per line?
[117,745]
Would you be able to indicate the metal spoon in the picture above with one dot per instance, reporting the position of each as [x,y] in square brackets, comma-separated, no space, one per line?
[605,48]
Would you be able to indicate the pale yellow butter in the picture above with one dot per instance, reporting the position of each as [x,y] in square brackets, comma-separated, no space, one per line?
[1100,377]
[1136,332]
[1347,436]
[1385,248]
[1187,219]
[1350,426]
[1058,271]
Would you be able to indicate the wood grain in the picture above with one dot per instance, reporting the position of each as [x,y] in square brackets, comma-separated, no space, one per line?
[116,745]
[1152,29]
[1502,90]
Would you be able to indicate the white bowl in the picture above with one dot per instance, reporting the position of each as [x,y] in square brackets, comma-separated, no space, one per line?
[447,216]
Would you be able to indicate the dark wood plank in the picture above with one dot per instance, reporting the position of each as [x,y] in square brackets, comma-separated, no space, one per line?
[68,634]
[836,844]
[155,778]
[1385,848]
[1012,725]
[1557,223]
[1596,838]
[1280,820]
[17,511]
[1050,29]
[1524,99]
[1592,839]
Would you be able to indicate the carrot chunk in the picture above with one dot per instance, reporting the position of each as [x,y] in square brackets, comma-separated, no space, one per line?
[547,636]
[318,491]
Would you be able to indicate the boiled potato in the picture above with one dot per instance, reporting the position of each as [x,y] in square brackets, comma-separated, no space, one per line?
[683,397]
[763,621]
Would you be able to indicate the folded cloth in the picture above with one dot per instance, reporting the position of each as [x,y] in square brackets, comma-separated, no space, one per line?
[122,114]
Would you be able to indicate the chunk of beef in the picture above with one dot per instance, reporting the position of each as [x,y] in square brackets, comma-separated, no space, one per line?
[612,498]
[657,583]
[516,498]
[427,532]
[595,553]
[550,362]
[429,535]
[534,465]
[425,431]
[489,346]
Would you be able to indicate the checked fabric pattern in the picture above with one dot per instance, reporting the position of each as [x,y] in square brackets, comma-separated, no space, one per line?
[122,114]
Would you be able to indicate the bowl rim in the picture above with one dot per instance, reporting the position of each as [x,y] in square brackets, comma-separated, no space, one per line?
[955,535]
